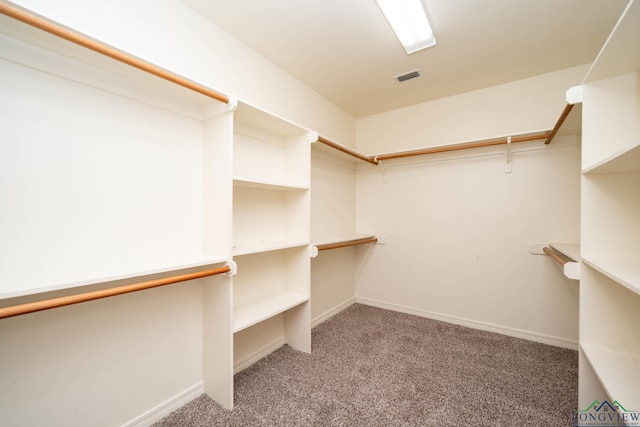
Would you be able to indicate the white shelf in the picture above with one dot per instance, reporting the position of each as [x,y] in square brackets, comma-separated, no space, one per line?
[341,239]
[267,247]
[267,185]
[270,150]
[336,155]
[262,217]
[618,372]
[620,53]
[124,273]
[251,117]
[256,313]
[626,274]
[571,250]
[41,50]
[627,161]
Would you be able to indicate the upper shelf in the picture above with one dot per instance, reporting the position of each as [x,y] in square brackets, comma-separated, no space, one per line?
[266,126]
[621,52]
[565,254]
[164,88]
[106,276]
[267,185]
[345,241]
[570,250]
[347,152]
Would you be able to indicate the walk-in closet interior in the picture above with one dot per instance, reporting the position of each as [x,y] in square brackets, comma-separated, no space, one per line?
[174,207]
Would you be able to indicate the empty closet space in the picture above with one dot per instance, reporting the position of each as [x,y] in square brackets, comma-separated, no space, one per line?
[159,236]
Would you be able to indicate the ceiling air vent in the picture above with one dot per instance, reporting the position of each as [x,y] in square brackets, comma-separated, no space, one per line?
[401,78]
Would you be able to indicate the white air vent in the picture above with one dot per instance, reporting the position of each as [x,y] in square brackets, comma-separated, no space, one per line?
[401,78]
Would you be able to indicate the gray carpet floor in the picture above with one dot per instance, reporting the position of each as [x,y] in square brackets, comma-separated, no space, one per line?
[374,367]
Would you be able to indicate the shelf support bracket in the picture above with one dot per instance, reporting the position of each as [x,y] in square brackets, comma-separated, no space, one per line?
[507,160]
[383,170]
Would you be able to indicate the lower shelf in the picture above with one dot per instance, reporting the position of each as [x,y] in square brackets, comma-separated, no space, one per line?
[256,313]
[618,372]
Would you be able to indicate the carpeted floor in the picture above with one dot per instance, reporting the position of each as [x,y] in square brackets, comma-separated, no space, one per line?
[373,367]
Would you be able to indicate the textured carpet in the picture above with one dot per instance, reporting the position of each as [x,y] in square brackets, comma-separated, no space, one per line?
[374,367]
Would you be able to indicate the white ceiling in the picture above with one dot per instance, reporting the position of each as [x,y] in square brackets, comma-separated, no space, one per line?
[347,52]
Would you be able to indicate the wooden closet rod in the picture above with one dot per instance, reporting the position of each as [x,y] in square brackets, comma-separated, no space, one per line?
[346,150]
[347,243]
[464,146]
[561,119]
[553,255]
[105,50]
[31,307]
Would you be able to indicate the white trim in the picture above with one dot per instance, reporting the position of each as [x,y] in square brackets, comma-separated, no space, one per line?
[332,312]
[162,410]
[475,324]
[257,355]
[574,95]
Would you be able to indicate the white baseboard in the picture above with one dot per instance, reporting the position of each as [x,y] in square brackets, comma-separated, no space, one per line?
[165,408]
[253,357]
[332,312]
[475,324]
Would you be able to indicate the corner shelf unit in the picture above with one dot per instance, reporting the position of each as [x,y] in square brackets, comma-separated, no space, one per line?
[610,225]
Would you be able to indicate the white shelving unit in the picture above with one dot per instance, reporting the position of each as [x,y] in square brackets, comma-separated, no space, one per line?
[610,236]
[271,210]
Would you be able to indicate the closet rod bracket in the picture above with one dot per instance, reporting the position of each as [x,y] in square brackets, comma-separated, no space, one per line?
[383,170]
[507,159]
[313,251]
[233,268]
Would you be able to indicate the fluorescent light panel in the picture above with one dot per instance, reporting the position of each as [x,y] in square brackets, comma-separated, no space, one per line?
[409,21]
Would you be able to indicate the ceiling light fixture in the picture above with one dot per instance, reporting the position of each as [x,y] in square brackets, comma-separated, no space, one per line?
[409,21]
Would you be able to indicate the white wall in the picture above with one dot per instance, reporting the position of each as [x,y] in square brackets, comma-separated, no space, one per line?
[458,227]
[527,105]
[101,363]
